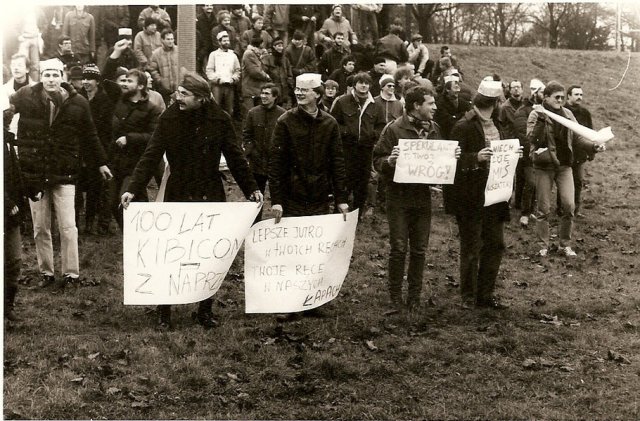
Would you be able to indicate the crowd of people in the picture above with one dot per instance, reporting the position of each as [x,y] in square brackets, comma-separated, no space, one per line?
[322,102]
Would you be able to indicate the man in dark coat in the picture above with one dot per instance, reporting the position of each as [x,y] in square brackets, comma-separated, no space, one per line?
[408,204]
[257,133]
[481,227]
[307,162]
[205,22]
[54,131]
[331,59]
[193,132]
[451,107]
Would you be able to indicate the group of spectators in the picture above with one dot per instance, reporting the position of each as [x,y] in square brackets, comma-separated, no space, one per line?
[322,107]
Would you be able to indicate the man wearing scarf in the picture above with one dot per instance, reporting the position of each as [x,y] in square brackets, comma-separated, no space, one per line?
[555,146]
[408,204]
[193,132]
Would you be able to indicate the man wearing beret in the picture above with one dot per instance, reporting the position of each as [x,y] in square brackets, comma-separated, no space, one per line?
[307,161]
[54,130]
[193,132]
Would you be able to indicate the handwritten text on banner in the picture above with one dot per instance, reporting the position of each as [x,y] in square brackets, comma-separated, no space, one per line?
[502,171]
[426,161]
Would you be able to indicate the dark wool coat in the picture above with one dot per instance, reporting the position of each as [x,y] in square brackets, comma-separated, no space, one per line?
[447,114]
[307,161]
[194,142]
[50,154]
[466,195]
[256,136]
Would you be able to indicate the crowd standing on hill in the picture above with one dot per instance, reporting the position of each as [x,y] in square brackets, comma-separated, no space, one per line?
[293,77]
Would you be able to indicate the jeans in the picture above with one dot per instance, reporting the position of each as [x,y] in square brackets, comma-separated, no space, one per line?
[563,177]
[481,250]
[407,225]
[528,191]
[224,97]
[578,180]
[62,198]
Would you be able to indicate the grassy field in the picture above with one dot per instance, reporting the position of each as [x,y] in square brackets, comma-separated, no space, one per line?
[566,349]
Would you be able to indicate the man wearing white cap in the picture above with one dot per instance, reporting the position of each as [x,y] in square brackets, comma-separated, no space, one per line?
[54,130]
[307,161]
[223,71]
[481,228]
[527,202]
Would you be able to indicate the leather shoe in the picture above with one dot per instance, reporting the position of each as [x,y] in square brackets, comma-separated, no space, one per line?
[205,319]
[46,281]
[492,302]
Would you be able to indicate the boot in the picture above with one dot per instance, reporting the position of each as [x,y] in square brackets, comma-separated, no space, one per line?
[9,300]
[204,316]
[164,317]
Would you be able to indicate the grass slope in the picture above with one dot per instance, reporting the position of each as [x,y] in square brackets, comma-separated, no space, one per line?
[82,354]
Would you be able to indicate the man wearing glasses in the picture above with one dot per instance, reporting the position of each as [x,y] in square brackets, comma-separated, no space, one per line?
[554,148]
[193,132]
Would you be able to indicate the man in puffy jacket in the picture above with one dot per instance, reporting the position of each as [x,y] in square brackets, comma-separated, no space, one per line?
[55,129]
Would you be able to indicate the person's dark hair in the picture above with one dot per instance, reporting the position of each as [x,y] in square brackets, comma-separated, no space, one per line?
[299,35]
[350,82]
[484,102]
[496,77]
[443,49]
[571,88]
[362,77]
[336,34]
[416,95]
[140,77]
[63,38]
[256,41]
[149,21]
[166,32]
[402,72]
[553,86]
[319,90]
[445,62]
[515,81]
[347,59]
[221,14]
[378,60]
[275,91]
[17,56]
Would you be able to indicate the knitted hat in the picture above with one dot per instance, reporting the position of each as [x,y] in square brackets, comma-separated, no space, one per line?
[195,83]
[386,79]
[51,64]
[277,40]
[330,83]
[75,73]
[91,71]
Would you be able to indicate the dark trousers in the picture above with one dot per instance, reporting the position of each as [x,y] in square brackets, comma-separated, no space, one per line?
[292,208]
[519,184]
[12,264]
[481,250]
[407,226]
[89,182]
[117,187]
[528,200]
[261,180]
[357,159]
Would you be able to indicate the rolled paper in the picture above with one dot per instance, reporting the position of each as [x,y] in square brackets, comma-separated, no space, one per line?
[600,136]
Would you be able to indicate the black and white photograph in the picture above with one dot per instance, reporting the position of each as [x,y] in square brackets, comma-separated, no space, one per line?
[299,211]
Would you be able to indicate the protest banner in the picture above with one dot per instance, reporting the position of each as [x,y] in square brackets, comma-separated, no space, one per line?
[601,136]
[298,264]
[178,253]
[502,171]
[426,161]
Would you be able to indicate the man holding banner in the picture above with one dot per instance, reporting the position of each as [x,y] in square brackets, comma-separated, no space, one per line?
[408,204]
[481,227]
[193,132]
[555,146]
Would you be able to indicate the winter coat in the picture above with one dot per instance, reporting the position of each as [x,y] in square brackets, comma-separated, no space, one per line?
[520,129]
[127,59]
[583,116]
[281,75]
[340,75]
[332,25]
[392,47]
[160,15]
[276,17]
[358,124]
[540,134]
[248,35]
[14,188]
[308,27]
[137,122]
[144,45]
[466,195]
[8,90]
[114,18]
[193,142]
[307,160]
[331,60]
[447,114]
[391,109]
[302,60]
[82,30]
[506,117]
[50,154]
[401,194]
[204,25]
[164,69]
[256,136]
[101,106]
[253,74]
[240,23]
